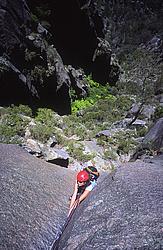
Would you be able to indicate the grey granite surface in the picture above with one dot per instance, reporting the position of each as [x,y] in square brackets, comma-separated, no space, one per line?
[124,212]
[33,200]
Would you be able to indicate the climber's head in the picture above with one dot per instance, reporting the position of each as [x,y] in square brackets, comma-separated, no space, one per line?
[82,177]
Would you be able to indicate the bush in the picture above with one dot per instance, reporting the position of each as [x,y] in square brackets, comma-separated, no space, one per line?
[48,117]
[110,154]
[21,109]
[158,113]
[44,115]
[12,125]
[61,139]
[76,151]
[141,132]
[125,142]
[81,104]
[41,132]
[96,92]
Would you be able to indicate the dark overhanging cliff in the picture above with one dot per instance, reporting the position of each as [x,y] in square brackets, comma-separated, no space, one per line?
[75,38]
[80,33]
[33,59]
[76,27]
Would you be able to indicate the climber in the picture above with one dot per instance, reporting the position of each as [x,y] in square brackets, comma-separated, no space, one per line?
[85,182]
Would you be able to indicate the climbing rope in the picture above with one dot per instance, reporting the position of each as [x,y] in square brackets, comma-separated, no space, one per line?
[56,243]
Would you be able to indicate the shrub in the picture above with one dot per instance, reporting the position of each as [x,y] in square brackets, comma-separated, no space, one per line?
[110,154]
[96,92]
[102,140]
[124,146]
[61,139]
[158,113]
[12,125]
[21,109]
[44,115]
[38,74]
[141,72]
[76,151]
[123,103]
[141,132]
[125,142]
[41,132]
[48,117]
[81,132]
[80,104]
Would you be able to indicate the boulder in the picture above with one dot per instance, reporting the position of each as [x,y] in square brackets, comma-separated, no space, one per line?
[51,142]
[56,155]
[33,147]
[34,199]
[78,81]
[146,111]
[154,138]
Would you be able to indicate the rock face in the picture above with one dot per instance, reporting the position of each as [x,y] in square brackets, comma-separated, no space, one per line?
[34,200]
[133,23]
[32,71]
[123,212]
[32,59]
[154,138]
[83,34]
[14,25]
[79,30]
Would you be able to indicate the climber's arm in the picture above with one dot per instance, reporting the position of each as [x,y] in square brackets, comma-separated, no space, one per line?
[84,195]
[73,198]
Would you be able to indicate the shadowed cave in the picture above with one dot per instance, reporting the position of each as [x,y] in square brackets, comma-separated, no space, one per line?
[75,37]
